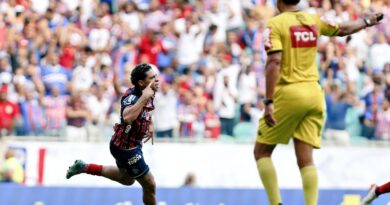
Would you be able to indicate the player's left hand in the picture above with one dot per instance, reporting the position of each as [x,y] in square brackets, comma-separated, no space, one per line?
[268,115]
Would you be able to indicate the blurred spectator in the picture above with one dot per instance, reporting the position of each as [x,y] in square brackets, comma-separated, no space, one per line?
[131,16]
[190,180]
[77,115]
[212,122]
[373,102]
[149,47]
[225,106]
[165,120]
[5,69]
[98,107]
[33,114]
[379,52]
[187,50]
[219,16]
[382,131]
[187,115]
[166,56]
[337,105]
[55,107]
[9,113]
[99,37]
[82,77]
[209,40]
[246,91]
[11,170]
[54,74]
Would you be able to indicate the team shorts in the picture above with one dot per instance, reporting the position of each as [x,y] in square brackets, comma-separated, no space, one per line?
[132,160]
[299,110]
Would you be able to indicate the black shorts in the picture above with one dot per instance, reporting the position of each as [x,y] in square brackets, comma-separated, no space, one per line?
[132,160]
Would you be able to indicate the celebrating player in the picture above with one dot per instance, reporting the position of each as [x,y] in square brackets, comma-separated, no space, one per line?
[292,89]
[134,129]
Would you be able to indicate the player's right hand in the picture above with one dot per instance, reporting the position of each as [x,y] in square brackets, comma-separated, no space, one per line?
[269,116]
[148,92]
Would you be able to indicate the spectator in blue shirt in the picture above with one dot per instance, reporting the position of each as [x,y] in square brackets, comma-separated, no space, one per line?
[55,75]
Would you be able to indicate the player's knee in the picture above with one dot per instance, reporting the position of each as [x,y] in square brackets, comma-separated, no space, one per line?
[259,153]
[256,154]
[304,161]
[127,182]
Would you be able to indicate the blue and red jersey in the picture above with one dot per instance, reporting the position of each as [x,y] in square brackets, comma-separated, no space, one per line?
[131,135]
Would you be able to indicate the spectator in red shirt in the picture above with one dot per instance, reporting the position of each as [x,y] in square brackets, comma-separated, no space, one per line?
[9,112]
[150,46]
[67,57]
[212,122]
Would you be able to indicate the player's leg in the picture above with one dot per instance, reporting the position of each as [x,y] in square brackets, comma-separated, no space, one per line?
[307,136]
[304,153]
[267,172]
[149,188]
[385,188]
[375,191]
[111,172]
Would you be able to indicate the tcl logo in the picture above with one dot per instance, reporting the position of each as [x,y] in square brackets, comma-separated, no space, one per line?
[303,36]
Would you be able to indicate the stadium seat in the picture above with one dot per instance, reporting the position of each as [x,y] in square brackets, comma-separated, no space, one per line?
[244,132]
[226,138]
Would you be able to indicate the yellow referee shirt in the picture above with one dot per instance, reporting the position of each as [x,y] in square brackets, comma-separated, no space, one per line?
[296,35]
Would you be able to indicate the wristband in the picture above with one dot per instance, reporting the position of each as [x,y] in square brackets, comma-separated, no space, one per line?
[367,21]
[268,101]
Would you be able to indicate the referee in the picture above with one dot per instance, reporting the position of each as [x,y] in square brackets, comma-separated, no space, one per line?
[294,99]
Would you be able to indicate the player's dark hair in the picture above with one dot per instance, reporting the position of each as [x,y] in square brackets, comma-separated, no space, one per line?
[291,2]
[139,73]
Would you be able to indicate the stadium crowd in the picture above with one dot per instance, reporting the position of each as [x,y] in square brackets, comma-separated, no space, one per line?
[65,63]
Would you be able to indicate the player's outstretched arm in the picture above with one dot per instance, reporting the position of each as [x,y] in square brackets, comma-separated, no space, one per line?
[350,27]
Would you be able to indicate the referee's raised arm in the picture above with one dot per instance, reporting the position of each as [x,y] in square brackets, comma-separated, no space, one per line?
[368,20]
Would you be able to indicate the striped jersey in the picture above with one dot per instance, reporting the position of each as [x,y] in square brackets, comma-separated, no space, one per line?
[131,135]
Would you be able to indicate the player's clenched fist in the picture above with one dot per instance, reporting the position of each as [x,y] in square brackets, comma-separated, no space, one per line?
[149,91]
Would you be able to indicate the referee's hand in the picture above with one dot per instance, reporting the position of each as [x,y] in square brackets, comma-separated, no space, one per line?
[375,18]
[268,115]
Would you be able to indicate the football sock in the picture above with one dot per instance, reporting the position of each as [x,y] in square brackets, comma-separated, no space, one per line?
[385,188]
[310,184]
[270,181]
[93,169]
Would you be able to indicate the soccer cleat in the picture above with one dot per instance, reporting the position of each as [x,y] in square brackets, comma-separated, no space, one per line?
[371,195]
[77,168]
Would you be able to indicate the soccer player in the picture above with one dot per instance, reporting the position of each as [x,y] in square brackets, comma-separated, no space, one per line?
[374,192]
[135,128]
[294,100]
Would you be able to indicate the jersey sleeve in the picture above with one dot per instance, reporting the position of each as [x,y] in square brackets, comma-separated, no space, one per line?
[328,27]
[129,100]
[272,38]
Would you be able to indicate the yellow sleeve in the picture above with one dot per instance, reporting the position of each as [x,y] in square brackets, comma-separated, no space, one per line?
[272,38]
[326,26]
